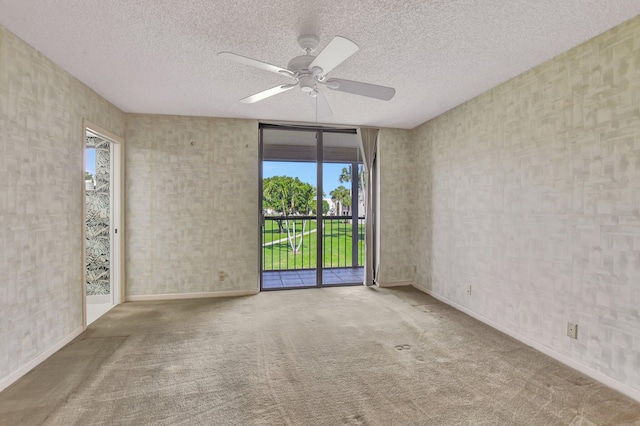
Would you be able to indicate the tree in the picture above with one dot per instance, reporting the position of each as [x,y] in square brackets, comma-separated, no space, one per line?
[325,207]
[289,196]
[306,195]
[342,197]
[345,176]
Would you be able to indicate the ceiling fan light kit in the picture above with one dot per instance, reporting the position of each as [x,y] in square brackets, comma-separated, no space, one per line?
[307,83]
[310,72]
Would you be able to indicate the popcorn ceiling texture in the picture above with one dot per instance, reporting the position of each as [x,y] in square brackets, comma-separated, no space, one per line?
[192,204]
[530,193]
[42,179]
[147,56]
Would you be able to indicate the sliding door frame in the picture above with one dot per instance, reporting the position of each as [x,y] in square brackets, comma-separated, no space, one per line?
[319,219]
[319,131]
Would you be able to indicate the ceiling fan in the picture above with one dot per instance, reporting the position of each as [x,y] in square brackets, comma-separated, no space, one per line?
[310,73]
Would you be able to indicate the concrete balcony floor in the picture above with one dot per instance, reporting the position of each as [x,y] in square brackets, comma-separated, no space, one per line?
[273,280]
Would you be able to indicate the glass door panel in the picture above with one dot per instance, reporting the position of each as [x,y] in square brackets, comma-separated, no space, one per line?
[289,223]
[343,229]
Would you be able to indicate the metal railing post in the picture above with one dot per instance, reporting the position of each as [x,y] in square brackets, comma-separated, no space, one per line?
[354,215]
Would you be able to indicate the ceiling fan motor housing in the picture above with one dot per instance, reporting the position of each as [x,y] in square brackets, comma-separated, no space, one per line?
[300,64]
[308,42]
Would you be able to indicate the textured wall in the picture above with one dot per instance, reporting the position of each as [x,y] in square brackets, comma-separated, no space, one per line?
[192,204]
[41,184]
[397,186]
[533,198]
[98,220]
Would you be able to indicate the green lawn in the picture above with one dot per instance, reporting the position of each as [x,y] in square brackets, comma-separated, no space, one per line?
[336,243]
[272,230]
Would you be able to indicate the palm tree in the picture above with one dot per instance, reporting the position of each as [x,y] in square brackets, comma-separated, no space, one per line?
[342,197]
[345,176]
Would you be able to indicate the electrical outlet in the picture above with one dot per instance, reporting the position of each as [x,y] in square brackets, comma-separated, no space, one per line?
[572,330]
[221,275]
[469,289]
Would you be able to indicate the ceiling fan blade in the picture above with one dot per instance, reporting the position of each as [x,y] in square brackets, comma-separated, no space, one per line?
[255,63]
[334,53]
[363,89]
[267,93]
[320,105]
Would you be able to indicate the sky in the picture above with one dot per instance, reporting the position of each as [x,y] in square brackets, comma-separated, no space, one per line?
[306,172]
[91,161]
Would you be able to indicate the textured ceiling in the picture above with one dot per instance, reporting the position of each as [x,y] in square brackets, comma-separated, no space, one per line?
[159,56]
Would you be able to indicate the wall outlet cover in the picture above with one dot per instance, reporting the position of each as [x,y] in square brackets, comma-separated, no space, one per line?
[572,330]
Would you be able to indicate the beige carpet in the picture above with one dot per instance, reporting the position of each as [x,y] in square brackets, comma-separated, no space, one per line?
[334,356]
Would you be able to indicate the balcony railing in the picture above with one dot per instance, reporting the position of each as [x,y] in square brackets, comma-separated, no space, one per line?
[290,242]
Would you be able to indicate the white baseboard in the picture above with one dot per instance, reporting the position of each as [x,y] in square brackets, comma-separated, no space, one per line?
[596,375]
[174,296]
[395,284]
[13,377]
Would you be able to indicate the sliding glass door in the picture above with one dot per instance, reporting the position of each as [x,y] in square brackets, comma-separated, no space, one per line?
[343,215]
[289,222]
[310,233]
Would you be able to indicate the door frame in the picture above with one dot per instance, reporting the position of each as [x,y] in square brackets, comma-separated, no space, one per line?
[117,214]
[319,131]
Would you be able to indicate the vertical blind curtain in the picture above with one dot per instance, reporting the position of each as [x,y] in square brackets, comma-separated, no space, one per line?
[369,142]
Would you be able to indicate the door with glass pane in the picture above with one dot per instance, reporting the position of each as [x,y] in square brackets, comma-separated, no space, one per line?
[343,215]
[309,235]
[102,218]
[289,223]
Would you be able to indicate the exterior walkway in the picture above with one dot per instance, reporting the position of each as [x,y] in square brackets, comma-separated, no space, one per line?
[272,280]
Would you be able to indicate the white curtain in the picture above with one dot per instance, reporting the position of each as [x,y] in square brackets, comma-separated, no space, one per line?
[369,142]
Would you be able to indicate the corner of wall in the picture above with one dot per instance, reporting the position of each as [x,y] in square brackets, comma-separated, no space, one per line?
[45,220]
[395,205]
[527,194]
